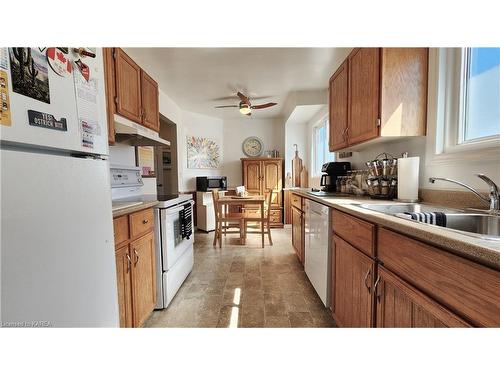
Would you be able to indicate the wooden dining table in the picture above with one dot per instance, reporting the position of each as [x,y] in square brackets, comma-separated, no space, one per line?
[259,200]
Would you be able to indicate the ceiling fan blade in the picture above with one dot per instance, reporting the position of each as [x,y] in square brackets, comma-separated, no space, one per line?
[243,98]
[220,98]
[260,97]
[226,106]
[261,106]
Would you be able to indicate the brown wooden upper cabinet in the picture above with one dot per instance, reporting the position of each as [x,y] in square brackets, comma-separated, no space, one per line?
[128,87]
[149,98]
[378,92]
[130,91]
[338,111]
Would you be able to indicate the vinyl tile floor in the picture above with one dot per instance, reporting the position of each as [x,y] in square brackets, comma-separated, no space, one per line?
[245,286]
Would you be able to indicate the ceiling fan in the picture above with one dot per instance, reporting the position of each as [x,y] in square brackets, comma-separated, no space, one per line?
[245,106]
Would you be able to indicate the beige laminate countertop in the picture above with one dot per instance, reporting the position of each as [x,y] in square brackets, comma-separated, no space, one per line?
[119,211]
[483,251]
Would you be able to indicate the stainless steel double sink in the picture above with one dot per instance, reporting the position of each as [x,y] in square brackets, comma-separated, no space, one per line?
[476,224]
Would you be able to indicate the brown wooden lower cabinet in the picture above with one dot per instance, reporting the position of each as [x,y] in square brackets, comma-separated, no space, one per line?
[287,207]
[135,268]
[399,305]
[353,284]
[298,232]
[397,281]
[143,278]
[467,288]
[124,280]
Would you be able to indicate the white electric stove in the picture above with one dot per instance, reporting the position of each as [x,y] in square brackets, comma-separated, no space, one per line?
[174,230]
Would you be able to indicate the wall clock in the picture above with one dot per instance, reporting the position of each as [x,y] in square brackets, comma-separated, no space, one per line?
[253,146]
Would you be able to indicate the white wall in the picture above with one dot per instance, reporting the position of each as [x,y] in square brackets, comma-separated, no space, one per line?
[125,155]
[194,124]
[228,133]
[296,133]
[271,131]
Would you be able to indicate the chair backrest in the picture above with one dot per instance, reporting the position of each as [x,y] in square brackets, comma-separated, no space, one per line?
[215,198]
[269,201]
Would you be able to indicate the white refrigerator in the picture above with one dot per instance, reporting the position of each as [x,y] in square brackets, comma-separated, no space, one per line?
[57,246]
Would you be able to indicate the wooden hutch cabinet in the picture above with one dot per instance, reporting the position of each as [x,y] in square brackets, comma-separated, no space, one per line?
[261,175]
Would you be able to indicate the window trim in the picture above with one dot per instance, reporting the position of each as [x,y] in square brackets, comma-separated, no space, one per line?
[445,76]
[320,123]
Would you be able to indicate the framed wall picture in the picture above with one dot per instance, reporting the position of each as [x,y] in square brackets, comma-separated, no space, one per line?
[203,153]
[145,160]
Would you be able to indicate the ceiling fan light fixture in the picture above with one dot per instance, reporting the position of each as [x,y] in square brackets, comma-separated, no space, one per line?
[245,109]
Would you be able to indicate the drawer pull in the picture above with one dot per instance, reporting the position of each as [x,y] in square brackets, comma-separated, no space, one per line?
[145,221]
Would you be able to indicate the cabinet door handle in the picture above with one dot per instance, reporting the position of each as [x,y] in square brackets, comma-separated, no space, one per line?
[145,221]
[375,288]
[129,263]
[366,277]
[136,257]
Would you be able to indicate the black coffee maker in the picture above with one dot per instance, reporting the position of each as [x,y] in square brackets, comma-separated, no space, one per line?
[330,173]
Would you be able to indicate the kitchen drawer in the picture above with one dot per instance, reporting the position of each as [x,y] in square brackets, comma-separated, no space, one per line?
[357,232]
[296,201]
[465,287]
[141,222]
[275,216]
[120,228]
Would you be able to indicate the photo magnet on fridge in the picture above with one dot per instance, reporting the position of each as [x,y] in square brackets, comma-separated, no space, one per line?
[83,68]
[29,73]
[59,61]
[4,89]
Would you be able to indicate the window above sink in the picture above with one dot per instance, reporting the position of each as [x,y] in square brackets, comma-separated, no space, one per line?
[464,92]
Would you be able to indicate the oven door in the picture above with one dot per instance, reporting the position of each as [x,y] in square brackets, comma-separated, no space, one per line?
[172,243]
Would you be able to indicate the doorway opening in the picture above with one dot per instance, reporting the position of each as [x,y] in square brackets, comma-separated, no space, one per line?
[166,159]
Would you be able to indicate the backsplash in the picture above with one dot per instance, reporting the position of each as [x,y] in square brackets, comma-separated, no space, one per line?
[123,154]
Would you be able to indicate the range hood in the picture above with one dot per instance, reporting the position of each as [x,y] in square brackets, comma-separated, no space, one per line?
[133,134]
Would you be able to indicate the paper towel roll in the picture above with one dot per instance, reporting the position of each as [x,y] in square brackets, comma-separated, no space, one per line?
[408,178]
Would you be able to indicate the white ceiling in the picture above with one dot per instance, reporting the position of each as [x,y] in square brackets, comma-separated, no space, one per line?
[303,113]
[195,77]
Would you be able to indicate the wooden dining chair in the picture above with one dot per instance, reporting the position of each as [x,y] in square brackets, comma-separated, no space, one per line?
[225,221]
[255,217]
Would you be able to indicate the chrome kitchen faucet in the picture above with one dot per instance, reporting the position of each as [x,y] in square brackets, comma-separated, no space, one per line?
[494,198]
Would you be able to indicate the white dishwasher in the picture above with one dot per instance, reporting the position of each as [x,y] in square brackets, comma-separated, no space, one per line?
[317,254]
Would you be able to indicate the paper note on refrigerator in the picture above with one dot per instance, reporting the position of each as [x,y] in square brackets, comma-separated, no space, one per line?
[4,89]
[87,108]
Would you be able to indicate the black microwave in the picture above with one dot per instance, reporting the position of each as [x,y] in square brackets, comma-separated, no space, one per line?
[206,183]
